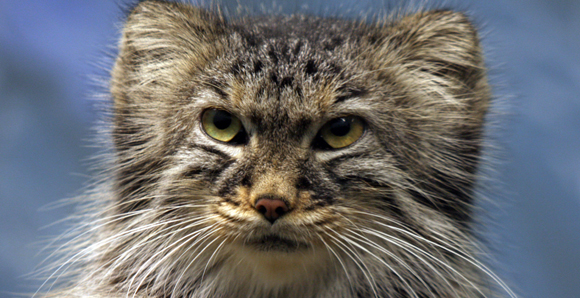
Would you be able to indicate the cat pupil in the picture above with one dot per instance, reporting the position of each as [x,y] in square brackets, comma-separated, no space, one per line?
[340,127]
[222,120]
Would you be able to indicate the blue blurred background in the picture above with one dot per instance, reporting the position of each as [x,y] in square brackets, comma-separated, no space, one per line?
[51,51]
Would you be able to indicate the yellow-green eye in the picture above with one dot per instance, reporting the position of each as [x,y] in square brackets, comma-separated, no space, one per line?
[341,132]
[220,125]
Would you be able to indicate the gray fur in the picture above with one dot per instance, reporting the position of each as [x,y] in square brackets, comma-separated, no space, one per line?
[388,216]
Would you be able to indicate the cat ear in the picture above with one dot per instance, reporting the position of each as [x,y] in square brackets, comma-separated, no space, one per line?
[436,60]
[162,43]
[433,65]
[442,43]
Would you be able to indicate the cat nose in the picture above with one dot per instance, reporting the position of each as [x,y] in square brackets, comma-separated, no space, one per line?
[272,209]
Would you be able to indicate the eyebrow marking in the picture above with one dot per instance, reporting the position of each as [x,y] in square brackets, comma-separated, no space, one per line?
[216,86]
[348,92]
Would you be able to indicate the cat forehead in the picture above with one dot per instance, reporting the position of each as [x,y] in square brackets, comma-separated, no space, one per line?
[299,44]
[282,72]
[325,33]
[287,90]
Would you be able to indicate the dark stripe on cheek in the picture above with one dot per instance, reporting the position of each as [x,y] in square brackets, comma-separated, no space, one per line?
[448,196]
[208,174]
[211,150]
[229,200]
[241,176]
[333,163]
[352,184]
[303,184]
[134,182]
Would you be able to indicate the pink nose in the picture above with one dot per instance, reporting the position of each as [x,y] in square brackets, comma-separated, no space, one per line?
[272,209]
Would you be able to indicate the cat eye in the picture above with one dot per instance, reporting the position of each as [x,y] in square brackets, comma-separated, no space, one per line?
[222,126]
[340,132]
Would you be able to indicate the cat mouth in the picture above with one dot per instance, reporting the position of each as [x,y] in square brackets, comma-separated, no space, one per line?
[276,243]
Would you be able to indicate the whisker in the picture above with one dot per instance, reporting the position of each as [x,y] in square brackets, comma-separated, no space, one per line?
[119,260]
[406,284]
[329,248]
[90,248]
[352,254]
[181,242]
[453,249]
[409,249]
[204,238]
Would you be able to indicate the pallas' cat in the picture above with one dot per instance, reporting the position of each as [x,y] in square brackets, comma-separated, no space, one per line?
[287,156]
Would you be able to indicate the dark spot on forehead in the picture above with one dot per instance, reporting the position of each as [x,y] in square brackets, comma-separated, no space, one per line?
[258,65]
[347,91]
[274,78]
[310,68]
[286,82]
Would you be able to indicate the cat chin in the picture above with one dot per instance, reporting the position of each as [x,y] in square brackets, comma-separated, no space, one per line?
[278,267]
[273,243]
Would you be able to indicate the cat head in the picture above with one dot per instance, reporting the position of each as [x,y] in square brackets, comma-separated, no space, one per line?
[296,135]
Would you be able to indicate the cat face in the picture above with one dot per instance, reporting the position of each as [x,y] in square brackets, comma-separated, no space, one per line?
[271,147]
[279,153]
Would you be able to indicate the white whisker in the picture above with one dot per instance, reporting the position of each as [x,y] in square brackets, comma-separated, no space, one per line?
[357,260]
